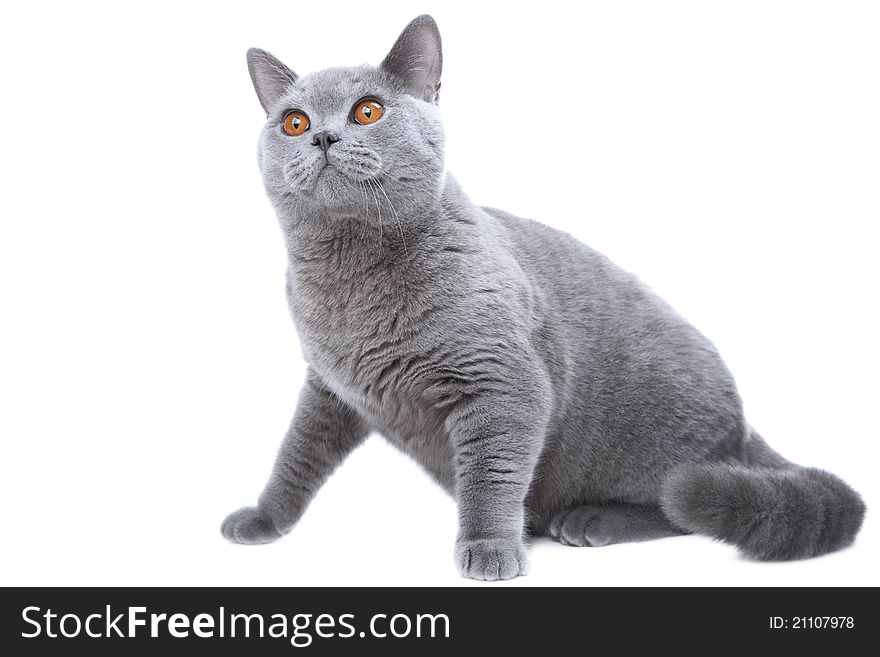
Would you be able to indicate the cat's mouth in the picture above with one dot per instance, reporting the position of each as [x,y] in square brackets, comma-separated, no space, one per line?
[328,169]
[333,177]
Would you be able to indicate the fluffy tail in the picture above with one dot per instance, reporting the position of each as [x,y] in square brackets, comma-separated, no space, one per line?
[770,512]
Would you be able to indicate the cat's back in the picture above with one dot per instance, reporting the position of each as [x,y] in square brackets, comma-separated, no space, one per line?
[572,275]
[577,278]
[606,321]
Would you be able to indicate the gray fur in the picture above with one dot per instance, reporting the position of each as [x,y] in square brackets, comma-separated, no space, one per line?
[549,391]
[598,525]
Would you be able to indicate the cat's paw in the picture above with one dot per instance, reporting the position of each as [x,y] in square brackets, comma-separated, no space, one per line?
[582,526]
[249,526]
[491,559]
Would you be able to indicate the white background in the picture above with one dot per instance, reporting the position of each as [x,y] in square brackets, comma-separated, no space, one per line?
[728,153]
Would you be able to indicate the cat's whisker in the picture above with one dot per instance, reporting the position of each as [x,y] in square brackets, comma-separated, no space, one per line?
[365,218]
[393,213]
[378,208]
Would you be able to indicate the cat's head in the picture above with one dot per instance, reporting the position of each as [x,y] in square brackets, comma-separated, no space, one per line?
[354,140]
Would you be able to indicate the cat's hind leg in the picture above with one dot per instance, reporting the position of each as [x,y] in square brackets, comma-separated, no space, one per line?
[606,524]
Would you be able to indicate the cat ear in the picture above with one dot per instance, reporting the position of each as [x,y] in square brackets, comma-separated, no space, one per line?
[271,78]
[417,58]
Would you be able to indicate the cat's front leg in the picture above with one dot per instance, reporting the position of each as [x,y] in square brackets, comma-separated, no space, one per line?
[497,440]
[323,432]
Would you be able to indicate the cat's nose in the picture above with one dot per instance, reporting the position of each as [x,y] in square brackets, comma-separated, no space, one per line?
[324,139]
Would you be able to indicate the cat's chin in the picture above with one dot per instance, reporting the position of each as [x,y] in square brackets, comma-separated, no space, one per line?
[334,190]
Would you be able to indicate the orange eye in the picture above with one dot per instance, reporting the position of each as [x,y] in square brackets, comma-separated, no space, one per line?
[367,112]
[295,123]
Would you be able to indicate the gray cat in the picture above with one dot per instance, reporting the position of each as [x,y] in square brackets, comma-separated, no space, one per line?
[548,391]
